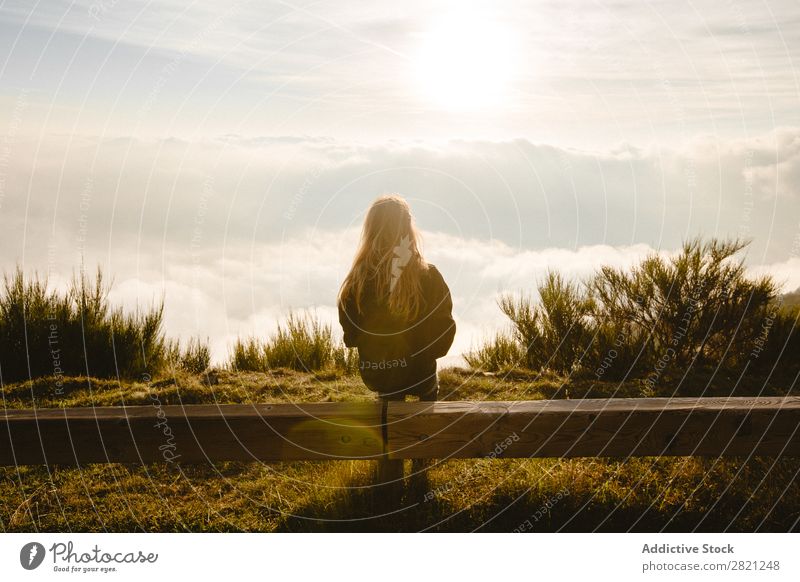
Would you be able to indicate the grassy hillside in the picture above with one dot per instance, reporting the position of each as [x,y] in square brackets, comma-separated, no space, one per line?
[645,494]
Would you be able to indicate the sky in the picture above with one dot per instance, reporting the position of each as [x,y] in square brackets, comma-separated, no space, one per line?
[223,155]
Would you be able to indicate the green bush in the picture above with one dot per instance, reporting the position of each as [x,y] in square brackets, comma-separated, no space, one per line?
[501,352]
[617,351]
[301,343]
[194,358]
[248,355]
[554,333]
[45,333]
[661,321]
[345,359]
[697,309]
[775,351]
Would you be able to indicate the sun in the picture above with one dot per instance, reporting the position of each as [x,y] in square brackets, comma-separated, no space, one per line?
[465,63]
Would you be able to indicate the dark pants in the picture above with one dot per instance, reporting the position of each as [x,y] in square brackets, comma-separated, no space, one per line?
[427,391]
[391,471]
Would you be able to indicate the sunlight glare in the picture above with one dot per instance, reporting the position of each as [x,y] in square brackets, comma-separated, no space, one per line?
[465,63]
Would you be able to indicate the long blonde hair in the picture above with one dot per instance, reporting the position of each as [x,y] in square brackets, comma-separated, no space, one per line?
[389,255]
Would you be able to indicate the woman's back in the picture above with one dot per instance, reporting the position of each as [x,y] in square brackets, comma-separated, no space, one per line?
[398,354]
[394,306]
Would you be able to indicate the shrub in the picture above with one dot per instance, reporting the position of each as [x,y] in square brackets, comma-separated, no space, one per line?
[44,333]
[345,359]
[301,343]
[248,355]
[665,318]
[697,309]
[501,352]
[617,351]
[554,333]
[774,352]
[195,358]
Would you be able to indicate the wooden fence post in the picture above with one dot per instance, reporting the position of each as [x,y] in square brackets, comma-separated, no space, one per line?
[390,472]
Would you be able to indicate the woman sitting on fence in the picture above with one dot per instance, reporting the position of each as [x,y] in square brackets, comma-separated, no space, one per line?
[395,308]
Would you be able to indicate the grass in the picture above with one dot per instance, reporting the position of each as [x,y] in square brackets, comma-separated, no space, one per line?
[490,495]
[642,494]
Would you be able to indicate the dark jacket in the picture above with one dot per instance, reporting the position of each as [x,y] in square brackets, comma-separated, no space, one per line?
[397,355]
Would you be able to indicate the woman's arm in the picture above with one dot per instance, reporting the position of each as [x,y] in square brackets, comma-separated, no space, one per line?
[347,319]
[439,325]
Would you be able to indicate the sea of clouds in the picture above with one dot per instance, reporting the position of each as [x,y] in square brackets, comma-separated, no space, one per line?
[233,232]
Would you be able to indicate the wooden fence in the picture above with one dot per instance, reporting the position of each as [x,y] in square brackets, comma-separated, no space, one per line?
[399,430]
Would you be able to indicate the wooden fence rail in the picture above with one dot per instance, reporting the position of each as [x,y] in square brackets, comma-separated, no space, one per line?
[400,430]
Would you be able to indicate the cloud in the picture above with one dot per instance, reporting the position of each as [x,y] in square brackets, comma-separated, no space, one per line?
[206,192]
[236,231]
[246,290]
[785,273]
[587,75]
